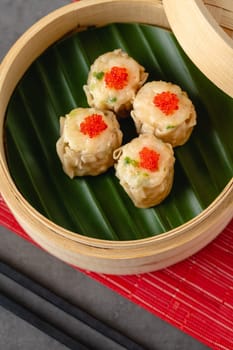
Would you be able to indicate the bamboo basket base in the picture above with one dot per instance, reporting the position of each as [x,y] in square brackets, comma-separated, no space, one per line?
[113,257]
[137,257]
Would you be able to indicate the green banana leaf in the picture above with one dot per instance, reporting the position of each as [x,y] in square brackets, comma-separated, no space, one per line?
[97,206]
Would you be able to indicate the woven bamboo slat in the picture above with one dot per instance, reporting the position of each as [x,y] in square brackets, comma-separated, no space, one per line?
[222,11]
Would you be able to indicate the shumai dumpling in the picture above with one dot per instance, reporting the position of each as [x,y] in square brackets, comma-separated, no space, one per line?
[164,110]
[87,140]
[145,168]
[113,81]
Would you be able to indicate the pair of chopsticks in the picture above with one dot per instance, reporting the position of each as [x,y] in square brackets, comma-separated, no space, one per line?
[16,305]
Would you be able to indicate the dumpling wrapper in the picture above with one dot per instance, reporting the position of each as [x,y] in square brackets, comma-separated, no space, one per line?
[174,128]
[145,188]
[83,155]
[100,96]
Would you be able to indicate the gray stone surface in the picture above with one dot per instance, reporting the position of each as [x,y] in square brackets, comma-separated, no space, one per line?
[79,289]
[76,287]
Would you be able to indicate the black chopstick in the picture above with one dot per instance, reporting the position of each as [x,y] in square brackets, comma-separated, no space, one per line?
[67,307]
[40,323]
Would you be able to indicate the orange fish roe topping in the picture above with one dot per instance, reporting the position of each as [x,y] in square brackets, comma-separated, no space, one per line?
[167,102]
[93,125]
[116,78]
[149,159]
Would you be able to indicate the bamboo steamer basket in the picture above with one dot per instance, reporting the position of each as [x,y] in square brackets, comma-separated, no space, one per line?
[143,255]
[210,32]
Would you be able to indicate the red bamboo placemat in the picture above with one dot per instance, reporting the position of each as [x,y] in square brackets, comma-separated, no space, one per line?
[195,295]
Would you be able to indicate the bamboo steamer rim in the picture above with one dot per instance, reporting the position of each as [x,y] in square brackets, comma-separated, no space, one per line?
[98,255]
[203,39]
